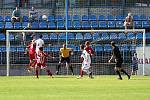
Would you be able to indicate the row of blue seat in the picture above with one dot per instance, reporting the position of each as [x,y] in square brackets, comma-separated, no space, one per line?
[85,36]
[83,18]
[97,48]
[72,25]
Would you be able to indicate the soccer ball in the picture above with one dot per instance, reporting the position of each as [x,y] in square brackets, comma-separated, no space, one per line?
[44,17]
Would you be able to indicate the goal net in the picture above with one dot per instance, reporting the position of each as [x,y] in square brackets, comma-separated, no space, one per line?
[126,40]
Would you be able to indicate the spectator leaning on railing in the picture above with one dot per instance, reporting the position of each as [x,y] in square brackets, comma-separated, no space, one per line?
[16,15]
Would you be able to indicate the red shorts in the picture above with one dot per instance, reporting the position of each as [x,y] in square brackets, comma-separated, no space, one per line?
[32,56]
[42,66]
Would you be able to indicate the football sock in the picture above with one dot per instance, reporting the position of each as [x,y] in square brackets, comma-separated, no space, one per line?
[71,69]
[37,73]
[81,72]
[119,74]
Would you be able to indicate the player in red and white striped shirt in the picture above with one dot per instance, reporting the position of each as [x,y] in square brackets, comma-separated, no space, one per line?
[41,62]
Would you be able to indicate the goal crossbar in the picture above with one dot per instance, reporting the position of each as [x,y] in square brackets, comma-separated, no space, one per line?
[72,31]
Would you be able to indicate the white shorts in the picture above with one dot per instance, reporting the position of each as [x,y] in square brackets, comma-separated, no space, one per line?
[86,68]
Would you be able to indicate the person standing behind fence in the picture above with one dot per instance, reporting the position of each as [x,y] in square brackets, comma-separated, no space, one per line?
[128,23]
[134,64]
[118,59]
[65,54]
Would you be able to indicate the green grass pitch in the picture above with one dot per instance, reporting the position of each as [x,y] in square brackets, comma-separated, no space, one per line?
[70,88]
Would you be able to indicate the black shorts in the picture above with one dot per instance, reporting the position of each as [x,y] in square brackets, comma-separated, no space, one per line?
[119,64]
[67,59]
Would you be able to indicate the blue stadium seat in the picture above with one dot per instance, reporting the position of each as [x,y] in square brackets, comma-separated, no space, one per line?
[87,36]
[105,36]
[102,24]
[43,25]
[122,36]
[70,24]
[96,36]
[8,25]
[69,18]
[98,48]
[20,49]
[145,24]
[147,35]
[62,36]
[136,17]
[110,18]
[119,24]
[17,25]
[119,18]
[60,25]
[125,48]
[55,48]
[45,36]
[11,37]
[143,18]
[2,48]
[25,24]
[1,19]
[85,25]
[107,48]
[85,18]
[2,37]
[92,18]
[137,24]
[101,18]
[77,24]
[2,25]
[53,36]
[148,18]
[59,18]
[111,24]
[47,49]
[35,25]
[51,18]
[13,49]
[79,36]
[76,17]
[139,36]
[94,24]
[7,19]
[51,25]
[130,35]
[25,19]
[113,36]
[71,36]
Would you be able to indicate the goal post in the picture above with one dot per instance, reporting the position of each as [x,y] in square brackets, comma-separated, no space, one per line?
[69,31]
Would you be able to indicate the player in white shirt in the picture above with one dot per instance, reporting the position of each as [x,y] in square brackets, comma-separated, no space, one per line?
[86,62]
[39,43]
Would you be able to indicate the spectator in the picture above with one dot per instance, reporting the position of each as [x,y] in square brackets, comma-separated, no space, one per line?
[16,15]
[128,23]
[134,64]
[33,15]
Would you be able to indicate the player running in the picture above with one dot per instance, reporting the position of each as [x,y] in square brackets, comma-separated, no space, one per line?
[86,62]
[41,62]
[118,59]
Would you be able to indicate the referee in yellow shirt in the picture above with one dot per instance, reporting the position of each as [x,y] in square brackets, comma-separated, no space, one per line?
[65,54]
